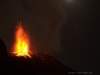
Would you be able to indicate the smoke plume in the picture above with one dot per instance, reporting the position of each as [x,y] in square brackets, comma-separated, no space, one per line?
[43,19]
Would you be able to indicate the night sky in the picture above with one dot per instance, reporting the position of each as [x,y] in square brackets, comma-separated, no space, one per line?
[80,36]
[77,22]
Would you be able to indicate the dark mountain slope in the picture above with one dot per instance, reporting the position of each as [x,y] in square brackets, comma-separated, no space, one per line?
[39,64]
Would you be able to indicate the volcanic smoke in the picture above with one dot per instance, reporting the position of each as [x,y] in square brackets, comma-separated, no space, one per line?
[44,19]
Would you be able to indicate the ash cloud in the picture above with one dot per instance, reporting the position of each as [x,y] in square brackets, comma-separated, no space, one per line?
[43,18]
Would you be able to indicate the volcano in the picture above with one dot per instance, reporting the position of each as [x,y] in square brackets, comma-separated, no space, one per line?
[39,64]
[23,62]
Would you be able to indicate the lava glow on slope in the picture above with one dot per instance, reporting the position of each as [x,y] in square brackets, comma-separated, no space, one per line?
[21,44]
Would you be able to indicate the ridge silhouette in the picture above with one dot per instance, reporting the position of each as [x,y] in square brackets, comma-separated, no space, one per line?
[3,52]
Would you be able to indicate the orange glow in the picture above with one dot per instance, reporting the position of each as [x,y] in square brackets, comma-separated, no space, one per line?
[21,46]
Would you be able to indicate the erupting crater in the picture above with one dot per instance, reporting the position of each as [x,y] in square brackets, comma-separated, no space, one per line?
[21,45]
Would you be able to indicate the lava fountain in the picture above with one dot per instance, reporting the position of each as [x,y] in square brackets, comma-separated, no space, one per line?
[21,44]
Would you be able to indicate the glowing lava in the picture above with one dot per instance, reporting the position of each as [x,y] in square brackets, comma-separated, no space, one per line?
[21,46]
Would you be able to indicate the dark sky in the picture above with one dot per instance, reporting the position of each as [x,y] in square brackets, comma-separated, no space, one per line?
[79,35]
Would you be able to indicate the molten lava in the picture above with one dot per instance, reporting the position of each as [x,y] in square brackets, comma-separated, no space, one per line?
[21,46]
